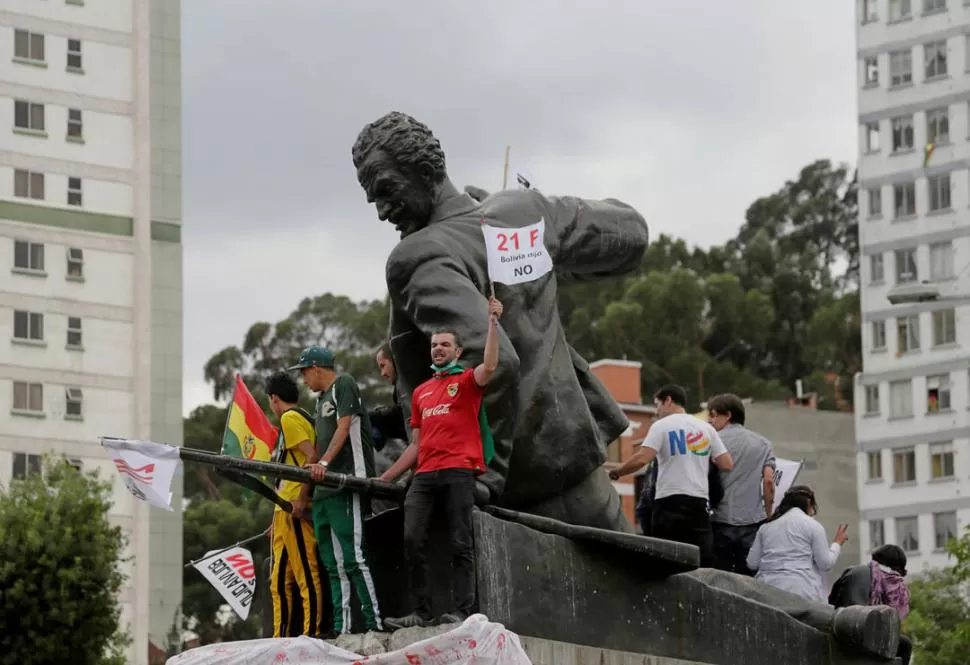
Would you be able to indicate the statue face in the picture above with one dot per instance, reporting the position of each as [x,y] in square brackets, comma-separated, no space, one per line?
[401,198]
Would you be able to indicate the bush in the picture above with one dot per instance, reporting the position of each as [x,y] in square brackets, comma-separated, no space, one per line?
[59,575]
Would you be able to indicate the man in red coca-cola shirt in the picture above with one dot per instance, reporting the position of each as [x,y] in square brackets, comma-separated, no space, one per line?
[446,443]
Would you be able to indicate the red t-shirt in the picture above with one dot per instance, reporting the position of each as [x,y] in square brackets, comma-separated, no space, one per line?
[445,409]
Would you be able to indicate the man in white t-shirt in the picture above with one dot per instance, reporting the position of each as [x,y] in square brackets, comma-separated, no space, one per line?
[683,446]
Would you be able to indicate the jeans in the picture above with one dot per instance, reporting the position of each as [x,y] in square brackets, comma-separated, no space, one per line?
[452,490]
[731,546]
[684,519]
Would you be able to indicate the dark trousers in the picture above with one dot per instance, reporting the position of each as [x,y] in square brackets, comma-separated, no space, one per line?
[644,513]
[453,491]
[731,546]
[684,519]
[905,650]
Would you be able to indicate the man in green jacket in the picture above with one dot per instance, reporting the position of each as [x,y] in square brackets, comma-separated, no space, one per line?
[345,445]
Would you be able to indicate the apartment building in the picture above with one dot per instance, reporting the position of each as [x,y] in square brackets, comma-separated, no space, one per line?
[913,395]
[90,261]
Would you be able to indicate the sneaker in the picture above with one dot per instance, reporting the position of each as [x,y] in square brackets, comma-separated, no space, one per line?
[409,621]
[452,617]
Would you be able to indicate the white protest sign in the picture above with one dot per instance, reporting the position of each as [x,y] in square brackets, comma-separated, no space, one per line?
[146,468]
[233,574]
[786,471]
[516,255]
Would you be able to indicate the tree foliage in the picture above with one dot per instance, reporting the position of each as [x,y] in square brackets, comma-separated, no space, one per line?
[939,619]
[59,572]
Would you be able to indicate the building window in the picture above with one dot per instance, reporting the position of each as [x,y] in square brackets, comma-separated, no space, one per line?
[937,393]
[613,452]
[28,397]
[907,329]
[75,463]
[877,534]
[28,115]
[869,11]
[904,465]
[906,265]
[902,133]
[25,464]
[872,137]
[877,268]
[75,125]
[73,404]
[938,125]
[28,256]
[900,9]
[75,263]
[74,194]
[874,463]
[878,335]
[904,198]
[875,202]
[907,534]
[931,6]
[28,184]
[871,68]
[934,59]
[941,261]
[944,528]
[901,399]
[28,46]
[944,327]
[941,460]
[74,61]
[901,67]
[74,337]
[872,408]
[28,326]
[939,187]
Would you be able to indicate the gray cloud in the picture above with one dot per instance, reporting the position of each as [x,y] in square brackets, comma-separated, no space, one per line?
[688,113]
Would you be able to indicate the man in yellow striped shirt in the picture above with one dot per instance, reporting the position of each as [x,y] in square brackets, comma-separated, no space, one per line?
[294,545]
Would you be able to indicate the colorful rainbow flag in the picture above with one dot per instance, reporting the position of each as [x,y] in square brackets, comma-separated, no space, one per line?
[249,434]
[927,153]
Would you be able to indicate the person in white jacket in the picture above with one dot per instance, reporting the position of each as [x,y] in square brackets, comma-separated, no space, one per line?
[791,552]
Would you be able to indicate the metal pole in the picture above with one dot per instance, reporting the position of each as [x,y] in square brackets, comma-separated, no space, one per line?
[505,170]
[226,549]
[371,486]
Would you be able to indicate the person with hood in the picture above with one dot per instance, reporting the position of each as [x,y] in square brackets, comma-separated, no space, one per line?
[879,582]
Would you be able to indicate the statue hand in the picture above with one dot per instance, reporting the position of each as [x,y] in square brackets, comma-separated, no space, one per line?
[476,193]
[482,494]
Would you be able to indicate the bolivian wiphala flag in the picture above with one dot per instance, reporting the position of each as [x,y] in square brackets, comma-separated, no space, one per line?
[249,434]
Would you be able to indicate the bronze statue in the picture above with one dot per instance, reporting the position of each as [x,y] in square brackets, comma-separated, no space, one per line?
[551,419]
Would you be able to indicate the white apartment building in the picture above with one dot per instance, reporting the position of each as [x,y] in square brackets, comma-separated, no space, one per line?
[90,261]
[913,396]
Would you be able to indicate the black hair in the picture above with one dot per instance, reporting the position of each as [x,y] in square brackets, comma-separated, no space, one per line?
[799,496]
[283,386]
[385,350]
[676,393]
[408,142]
[728,404]
[452,332]
[891,556]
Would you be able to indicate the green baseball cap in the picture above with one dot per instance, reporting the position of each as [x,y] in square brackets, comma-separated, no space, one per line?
[313,356]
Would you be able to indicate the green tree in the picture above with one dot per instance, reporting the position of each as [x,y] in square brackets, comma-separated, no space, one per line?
[59,571]
[939,618]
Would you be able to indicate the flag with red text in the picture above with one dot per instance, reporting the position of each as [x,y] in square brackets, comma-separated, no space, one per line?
[233,573]
[146,468]
[516,255]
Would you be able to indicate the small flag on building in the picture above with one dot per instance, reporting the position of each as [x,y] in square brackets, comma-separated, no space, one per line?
[927,153]
[248,434]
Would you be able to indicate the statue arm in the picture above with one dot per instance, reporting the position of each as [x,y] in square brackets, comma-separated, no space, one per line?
[594,239]
[438,295]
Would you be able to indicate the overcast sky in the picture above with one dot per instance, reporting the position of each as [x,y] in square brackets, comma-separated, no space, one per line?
[687,110]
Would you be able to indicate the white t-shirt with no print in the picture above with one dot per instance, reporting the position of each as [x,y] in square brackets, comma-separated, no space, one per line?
[685,446]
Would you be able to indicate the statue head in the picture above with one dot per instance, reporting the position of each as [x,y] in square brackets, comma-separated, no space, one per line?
[401,167]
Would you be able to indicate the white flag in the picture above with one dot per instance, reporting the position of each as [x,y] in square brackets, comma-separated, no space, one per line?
[146,468]
[786,471]
[233,574]
[516,255]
